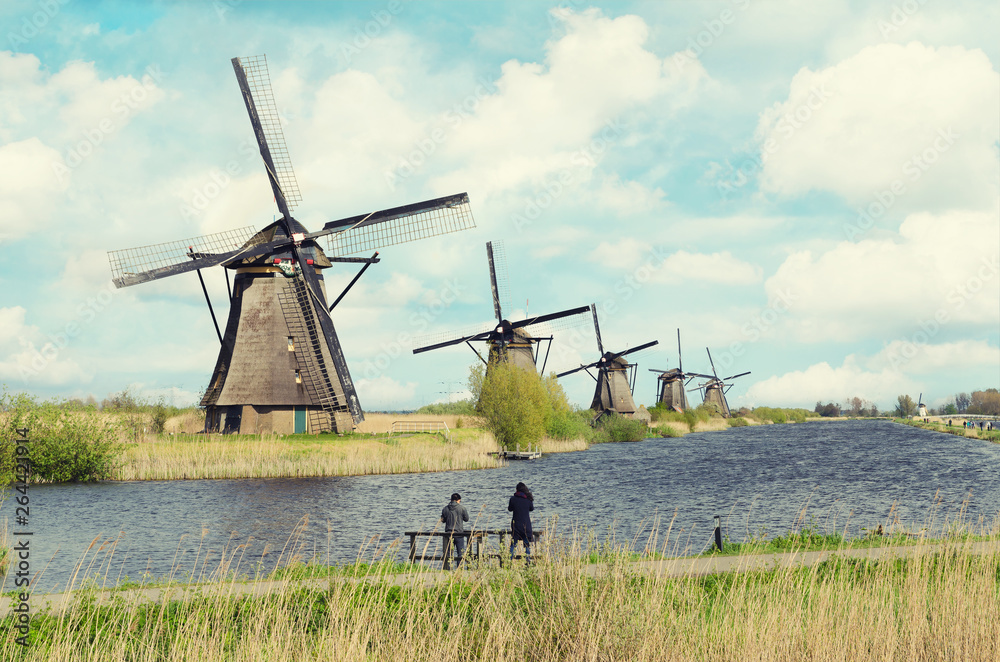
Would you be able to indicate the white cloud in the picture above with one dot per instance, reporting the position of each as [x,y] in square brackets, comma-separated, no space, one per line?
[30,358]
[821,382]
[650,266]
[919,116]
[917,356]
[27,185]
[384,392]
[943,266]
[566,113]
[901,366]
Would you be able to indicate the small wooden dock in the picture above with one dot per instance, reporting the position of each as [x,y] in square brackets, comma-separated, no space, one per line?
[532,453]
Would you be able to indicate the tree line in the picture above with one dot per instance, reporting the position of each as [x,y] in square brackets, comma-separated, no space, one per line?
[986,402]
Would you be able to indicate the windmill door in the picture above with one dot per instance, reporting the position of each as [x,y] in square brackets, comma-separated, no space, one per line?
[233,416]
[300,420]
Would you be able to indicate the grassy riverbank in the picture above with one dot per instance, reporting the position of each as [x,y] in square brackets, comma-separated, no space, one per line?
[956,428]
[936,603]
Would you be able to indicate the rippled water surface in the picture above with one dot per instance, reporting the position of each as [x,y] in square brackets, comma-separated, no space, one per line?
[849,472]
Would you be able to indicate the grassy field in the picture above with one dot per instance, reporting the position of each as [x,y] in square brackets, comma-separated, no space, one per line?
[935,604]
[370,450]
[940,424]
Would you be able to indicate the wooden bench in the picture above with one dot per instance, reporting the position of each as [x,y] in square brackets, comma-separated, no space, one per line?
[474,548]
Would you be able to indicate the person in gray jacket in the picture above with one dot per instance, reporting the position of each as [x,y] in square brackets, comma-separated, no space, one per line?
[454,515]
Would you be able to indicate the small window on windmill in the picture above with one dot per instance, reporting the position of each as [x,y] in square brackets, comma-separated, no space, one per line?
[291,344]
[298,376]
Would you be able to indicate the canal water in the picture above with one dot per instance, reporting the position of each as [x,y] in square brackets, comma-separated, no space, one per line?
[759,479]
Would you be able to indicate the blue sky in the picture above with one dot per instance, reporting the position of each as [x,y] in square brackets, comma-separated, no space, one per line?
[810,189]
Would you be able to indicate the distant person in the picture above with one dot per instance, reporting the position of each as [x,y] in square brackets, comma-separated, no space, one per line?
[522,503]
[454,515]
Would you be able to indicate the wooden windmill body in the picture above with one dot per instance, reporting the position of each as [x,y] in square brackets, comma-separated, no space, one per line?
[614,389]
[671,392]
[281,367]
[519,351]
[671,383]
[615,377]
[714,390]
[271,373]
[512,342]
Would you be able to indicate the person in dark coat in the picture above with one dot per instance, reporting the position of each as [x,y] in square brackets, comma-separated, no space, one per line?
[522,503]
[454,515]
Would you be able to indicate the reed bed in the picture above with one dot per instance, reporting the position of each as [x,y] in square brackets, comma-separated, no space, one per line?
[936,603]
[187,422]
[270,456]
[548,445]
[680,428]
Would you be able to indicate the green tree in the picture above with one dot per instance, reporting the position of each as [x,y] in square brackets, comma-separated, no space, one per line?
[905,406]
[65,445]
[949,409]
[828,410]
[514,404]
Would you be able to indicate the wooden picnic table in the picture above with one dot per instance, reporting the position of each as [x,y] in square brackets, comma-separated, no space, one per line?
[476,538]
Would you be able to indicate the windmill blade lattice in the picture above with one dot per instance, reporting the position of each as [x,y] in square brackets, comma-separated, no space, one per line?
[569,317]
[638,348]
[597,329]
[131,266]
[368,232]
[259,83]
[500,277]
[550,327]
[456,335]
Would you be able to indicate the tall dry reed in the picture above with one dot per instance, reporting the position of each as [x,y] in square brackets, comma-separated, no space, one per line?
[268,456]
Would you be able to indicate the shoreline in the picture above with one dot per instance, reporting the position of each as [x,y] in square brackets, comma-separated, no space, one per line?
[936,424]
[372,450]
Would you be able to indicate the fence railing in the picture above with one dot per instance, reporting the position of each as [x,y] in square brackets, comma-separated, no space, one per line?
[420,426]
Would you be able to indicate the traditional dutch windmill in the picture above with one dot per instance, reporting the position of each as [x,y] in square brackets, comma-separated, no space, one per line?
[615,377]
[671,383]
[714,390]
[508,341]
[281,367]
[921,407]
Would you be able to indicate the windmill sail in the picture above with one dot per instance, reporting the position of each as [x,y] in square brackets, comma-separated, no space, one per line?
[714,390]
[255,84]
[508,341]
[281,358]
[132,266]
[368,232]
[613,392]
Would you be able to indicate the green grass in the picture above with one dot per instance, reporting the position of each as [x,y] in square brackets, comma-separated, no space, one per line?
[957,430]
[937,606]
